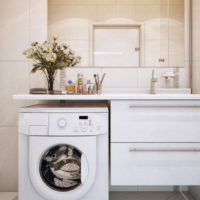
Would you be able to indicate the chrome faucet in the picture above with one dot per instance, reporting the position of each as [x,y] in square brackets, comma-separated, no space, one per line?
[153,82]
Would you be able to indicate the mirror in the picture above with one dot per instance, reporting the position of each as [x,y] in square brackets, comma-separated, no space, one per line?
[121,33]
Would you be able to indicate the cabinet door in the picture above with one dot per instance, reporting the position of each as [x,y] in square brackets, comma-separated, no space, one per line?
[155,164]
[144,122]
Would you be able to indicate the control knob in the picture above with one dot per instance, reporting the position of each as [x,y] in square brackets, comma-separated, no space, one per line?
[62,123]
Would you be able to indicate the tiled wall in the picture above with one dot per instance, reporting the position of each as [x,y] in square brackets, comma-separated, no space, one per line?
[71,21]
[19,26]
[195,191]
[196,46]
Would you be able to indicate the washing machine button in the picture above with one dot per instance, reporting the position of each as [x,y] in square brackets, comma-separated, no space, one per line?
[84,129]
[98,128]
[76,129]
[62,123]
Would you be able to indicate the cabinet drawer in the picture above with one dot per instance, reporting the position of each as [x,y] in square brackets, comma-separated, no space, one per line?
[149,122]
[155,164]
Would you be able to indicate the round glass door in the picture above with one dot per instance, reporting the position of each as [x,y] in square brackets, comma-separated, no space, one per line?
[60,167]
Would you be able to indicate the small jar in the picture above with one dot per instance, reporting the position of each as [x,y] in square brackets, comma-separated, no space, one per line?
[70,87]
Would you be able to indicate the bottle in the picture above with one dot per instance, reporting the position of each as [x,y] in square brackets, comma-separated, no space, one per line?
[70,87]
[89,87]
[80,84]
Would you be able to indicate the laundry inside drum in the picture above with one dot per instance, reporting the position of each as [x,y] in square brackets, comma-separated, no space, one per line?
[60,167]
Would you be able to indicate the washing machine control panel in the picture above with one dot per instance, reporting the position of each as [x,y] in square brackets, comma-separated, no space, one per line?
[78,124]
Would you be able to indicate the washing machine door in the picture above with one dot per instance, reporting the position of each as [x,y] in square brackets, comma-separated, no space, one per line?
[62,168]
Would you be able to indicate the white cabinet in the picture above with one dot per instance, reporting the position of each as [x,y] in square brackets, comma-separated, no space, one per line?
[155,164]
[143,122]
[155,143]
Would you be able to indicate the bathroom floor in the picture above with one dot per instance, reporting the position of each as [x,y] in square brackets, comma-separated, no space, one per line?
[148,196]
[123,196]
[8,195]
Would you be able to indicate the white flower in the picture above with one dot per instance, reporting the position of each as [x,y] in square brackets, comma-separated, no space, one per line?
[47,47]
[29,52]
[66,51]
[34,44]
[65,45]
[55,37]
[51,57]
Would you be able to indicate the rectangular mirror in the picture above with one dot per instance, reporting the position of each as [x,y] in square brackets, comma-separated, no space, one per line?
[122,33]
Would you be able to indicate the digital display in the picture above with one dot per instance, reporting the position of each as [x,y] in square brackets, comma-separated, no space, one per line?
[83,117]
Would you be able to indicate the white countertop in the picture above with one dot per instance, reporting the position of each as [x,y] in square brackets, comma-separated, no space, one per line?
[119,94]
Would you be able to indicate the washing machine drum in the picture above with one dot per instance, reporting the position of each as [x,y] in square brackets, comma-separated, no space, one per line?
[62,168]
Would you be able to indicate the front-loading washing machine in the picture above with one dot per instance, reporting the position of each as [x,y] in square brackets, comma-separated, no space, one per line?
[63,152]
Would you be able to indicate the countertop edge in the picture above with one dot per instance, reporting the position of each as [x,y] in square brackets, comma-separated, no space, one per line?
[193,97]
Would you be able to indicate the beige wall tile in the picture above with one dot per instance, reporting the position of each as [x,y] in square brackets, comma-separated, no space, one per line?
[14,79]
[87,12]
[64,2]
[8,164]
[14,34]
[176,2]
[87,2]
[196,47]
[105,12]
[125,2]
[38,20]
[148,2]
[196,42]
[196,76]
[125,11]
[106,2]
[62,12]
[147,12]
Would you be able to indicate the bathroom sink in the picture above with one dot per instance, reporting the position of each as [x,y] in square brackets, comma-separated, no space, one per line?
[146,91]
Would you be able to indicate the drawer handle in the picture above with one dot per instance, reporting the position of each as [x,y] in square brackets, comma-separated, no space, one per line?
[163,150]
[161,106]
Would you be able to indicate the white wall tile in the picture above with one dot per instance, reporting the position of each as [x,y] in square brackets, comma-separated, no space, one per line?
[14,79]
[196,77]
[9,157]
[196,47]
[120,78]
[14,34]
[184,76]
[144,78]
[38,20]
[72,73]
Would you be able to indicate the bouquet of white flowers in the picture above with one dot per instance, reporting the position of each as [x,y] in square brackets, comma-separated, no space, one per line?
[50,57]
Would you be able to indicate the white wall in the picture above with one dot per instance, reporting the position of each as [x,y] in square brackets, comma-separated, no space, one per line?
[195,191]
[19,25]
[196,46]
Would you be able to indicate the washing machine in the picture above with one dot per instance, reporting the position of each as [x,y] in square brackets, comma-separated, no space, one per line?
[63,152]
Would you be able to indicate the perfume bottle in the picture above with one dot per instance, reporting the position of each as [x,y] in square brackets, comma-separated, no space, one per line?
[80,84]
